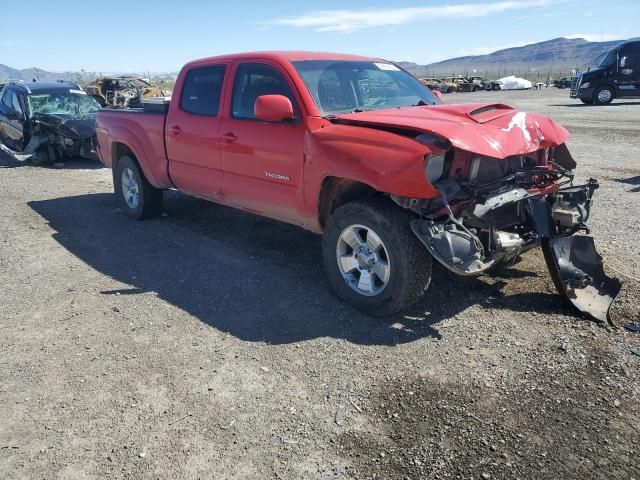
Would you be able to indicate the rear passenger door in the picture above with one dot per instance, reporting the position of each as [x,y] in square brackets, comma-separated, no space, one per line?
[193,132]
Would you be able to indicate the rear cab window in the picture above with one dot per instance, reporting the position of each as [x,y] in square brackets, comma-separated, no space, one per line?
[202,90]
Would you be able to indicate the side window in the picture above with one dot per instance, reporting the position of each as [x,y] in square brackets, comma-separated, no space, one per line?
[6,100]
[15,103]
[10,102]
[633,60]
[253,80]
[202,90]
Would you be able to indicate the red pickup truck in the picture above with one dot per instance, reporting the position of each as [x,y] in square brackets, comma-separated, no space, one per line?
[358,150]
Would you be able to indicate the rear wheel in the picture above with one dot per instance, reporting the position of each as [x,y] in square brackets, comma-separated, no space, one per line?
[372,258]
[137,197]
[603,96]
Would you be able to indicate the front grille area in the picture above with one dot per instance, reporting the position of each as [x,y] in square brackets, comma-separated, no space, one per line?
[575,81]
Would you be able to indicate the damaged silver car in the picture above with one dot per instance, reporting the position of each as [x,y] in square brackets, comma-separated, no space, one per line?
[47,122]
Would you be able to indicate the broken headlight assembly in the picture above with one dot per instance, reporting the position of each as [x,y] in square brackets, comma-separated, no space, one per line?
[435,162]
[434,166]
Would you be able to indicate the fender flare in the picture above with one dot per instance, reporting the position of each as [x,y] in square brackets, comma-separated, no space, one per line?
[125,137]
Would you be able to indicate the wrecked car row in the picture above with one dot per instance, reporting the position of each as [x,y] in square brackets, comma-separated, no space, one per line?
[48,122]
[461,84]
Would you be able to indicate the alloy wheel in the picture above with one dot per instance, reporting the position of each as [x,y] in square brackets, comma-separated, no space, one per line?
[363,260]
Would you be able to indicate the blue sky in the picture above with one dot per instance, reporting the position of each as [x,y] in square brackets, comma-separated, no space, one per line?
[157,37]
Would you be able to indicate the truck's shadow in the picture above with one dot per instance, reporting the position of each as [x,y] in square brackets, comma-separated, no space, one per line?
[633,181]
[258,279]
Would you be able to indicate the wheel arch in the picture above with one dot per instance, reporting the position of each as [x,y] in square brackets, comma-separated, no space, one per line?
[337,191]
[119,150]
[136,152]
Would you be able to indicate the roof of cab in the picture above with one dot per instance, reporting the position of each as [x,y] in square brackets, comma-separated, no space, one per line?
[35,87]
[283,56]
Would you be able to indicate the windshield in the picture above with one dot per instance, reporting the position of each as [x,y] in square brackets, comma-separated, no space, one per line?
[608,60]
[341,86]
[62,102]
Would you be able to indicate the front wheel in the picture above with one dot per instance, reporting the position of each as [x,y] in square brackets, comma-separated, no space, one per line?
[137,197]
[603,96]
[372,258]
[46,155]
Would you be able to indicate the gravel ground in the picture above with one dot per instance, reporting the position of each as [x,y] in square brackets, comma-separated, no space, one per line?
[206,344]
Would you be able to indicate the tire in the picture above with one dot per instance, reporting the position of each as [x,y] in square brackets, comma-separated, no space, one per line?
[451,90]
[409,264]
[137,197]
[587,101]
[603,95]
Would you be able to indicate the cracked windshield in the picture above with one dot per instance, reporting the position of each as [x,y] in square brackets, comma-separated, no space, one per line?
[71,102]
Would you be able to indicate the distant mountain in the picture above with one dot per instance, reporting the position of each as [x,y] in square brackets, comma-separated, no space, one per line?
[559,55]
[28,74]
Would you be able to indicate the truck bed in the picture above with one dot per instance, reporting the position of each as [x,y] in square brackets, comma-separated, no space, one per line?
[143,133]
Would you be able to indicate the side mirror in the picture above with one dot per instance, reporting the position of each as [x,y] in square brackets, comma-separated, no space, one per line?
[273,108]
[13,115]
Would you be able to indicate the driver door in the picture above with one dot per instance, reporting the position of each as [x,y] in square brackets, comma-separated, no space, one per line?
[632,64]
[12,129]
[626,75]
[262,161]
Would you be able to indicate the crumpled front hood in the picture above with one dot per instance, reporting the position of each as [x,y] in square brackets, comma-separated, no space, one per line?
[493,130]
[68,125]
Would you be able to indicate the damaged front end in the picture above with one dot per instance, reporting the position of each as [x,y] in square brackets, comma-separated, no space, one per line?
[60,123]
[59,136]
[492,210]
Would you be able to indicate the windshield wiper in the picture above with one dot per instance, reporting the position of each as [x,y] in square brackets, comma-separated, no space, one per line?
[421,103]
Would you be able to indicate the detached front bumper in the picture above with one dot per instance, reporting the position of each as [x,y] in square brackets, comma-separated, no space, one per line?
[556,222]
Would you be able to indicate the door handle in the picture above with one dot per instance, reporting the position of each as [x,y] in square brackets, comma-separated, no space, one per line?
[175,130]
[229,137]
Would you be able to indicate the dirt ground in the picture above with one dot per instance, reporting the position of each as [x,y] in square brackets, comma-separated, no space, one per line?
[206,344]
